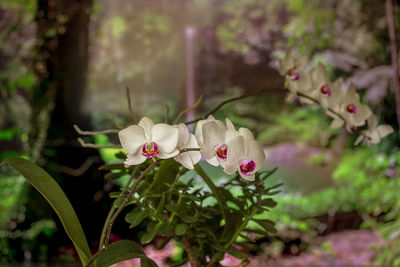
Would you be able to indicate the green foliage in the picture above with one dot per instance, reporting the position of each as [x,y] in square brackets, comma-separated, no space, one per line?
[179,209]
[121,251]
[54,195]
[306,124]
[366,182]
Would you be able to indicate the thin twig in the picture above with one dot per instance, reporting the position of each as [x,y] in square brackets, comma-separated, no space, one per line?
[395,62]
[88,145]
[114,217]
[116,124]
[189,149]
[112,210]
[319,104]
[128,96]
[79,131]
[220,105]
[72,171]
[186,110]
[166,113]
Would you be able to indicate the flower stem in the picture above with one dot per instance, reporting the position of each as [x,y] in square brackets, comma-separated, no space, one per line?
[220,105]
[115,215]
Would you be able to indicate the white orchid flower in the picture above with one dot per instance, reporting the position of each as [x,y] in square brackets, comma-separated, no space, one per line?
[199,128]
[297,79]
[187,140]
[328,94]
[375,133]
[149,140]
[348,105]
[245,154]
[351,108]
[213,145]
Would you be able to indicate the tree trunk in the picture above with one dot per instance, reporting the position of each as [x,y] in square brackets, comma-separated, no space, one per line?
[395,57]
[61,66]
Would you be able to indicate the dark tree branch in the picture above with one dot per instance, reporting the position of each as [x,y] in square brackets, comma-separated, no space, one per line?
[395,58]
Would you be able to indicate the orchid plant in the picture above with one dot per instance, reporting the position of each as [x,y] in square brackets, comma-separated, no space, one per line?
[162,162]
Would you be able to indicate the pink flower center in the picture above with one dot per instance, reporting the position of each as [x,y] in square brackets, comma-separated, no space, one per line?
[150,150]
[247,166]
[351,108]
[325,90]
[293,74]
[221,151]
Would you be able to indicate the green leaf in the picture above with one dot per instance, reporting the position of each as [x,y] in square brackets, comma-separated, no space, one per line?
[147,262]
[165,229]
[166,175]
[57,199]
[238,254]
[113,175]
[173,207]
[268,225]
[121,251]
[135,217]
[115,166]
[232,224]
[181,228]
[150,234]
[213,188]
[268,202]
[187,218]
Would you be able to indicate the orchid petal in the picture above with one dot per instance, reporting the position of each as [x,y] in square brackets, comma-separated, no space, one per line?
[183,132]
[256,153]
[247,134]
[185,160]
[250,177]
[135,159]
[213,135]
[213,161]
[229,124]
[165,136]
[230,134]
[236,150]
[132,138]
[199,128]
[147,124]
[164,155]
[384,130]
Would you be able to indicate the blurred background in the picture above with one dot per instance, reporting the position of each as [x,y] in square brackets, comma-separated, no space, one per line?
[65,62]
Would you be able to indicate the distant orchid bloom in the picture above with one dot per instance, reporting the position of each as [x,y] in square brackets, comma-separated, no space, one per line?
[375,133]
[298,80]
[148,140]
[187,140]
[326,92]
[351,108]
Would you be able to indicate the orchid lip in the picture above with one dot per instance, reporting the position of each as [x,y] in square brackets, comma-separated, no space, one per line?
[293,74]
[326,90]
[221,151]
[351,108]
[150,150]
[247,166]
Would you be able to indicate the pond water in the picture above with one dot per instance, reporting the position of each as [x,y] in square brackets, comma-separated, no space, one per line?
[302,169]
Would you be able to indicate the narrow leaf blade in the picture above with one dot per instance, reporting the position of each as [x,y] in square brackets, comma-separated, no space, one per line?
[57,199]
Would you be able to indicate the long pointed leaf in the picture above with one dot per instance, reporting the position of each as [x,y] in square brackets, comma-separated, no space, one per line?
[121,251]
[57,199]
